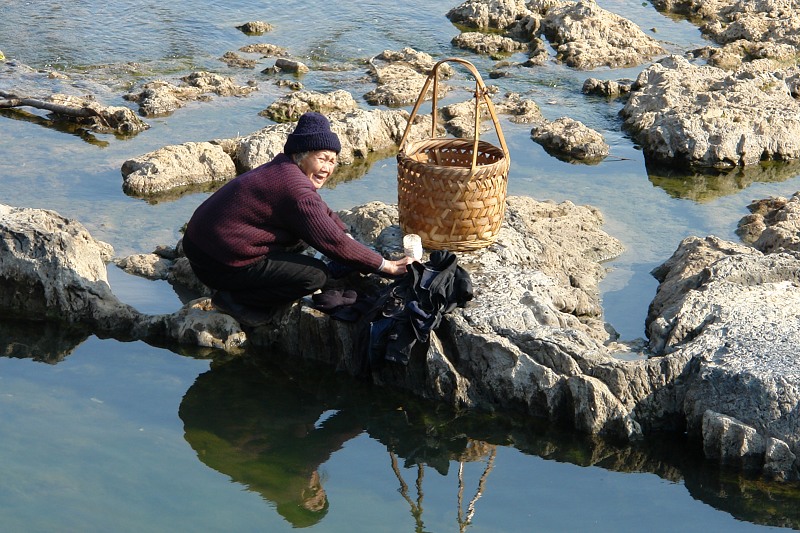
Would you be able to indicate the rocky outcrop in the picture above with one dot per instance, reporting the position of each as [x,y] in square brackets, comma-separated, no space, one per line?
[586,36]
[569,139]
[489,15]
[171,167]
[177,166]
[533,339]
[724,21]
[255,27]
[708,117]
[733,310]
[52,268]
[289,108]
[400,76]
[159,97]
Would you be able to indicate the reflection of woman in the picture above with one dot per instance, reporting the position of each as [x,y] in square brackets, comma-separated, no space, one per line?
[245,239]
[264,434]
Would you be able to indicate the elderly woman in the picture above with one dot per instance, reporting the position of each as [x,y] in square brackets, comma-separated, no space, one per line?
[245,239]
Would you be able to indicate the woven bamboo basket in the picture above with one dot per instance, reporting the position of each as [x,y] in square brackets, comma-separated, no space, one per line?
[452,191]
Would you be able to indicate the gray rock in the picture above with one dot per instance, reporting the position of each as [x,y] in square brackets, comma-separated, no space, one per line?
[52,268]
[586,36]
[481,14]
[495,46]
[726,21]
[609,88]
[400,76]
[255,27]
[570,139]
[176,166]
[288,65]
[289,108]
[160,97]
[101,118]
[774,225]
[735,312]
[360,133]
[707,117]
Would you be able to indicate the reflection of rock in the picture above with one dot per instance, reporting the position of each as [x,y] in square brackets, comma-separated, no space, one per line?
[48,342]
[702,186]
[745,498]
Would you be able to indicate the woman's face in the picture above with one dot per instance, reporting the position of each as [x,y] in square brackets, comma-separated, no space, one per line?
[318,166]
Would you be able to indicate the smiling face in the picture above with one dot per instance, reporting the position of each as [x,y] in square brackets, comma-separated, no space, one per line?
[318,166]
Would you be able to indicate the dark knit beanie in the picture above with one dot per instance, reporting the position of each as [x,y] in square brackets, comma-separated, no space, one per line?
[313,132]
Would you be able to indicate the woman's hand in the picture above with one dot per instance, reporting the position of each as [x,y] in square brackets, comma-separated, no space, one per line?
[396,268]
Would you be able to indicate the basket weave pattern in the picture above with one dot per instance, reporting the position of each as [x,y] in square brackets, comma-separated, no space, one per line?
[451,191]
[447,208]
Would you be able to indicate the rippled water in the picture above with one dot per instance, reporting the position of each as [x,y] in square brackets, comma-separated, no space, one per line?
[103,435]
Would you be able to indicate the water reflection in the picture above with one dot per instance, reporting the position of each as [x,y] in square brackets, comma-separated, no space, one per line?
[270,428]
[706,186]
[46,342]
[64,126]
[271,432]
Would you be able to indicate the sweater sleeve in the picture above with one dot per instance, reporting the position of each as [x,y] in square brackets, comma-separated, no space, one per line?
[317,225]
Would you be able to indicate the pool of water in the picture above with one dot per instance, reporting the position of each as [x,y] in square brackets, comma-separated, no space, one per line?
[105,435]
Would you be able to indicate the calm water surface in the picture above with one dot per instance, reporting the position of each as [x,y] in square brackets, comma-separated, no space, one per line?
[101,435]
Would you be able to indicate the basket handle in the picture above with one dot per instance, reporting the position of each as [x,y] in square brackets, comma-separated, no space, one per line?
[480,92]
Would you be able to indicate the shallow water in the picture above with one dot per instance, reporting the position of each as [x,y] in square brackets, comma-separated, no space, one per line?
[104,435]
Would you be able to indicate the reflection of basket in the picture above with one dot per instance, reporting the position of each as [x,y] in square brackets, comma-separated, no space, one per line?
[452,191]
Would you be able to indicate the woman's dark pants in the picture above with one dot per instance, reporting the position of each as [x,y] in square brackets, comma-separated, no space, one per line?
[274,280]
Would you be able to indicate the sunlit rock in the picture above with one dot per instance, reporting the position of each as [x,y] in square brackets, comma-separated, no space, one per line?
[704,116]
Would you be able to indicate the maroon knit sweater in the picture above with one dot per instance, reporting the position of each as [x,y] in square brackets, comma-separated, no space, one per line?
[269,209]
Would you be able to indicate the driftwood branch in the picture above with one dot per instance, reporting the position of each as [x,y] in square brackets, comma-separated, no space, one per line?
[10,100]
[90,114]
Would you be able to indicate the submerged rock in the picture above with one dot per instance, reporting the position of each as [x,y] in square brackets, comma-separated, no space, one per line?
[495,46]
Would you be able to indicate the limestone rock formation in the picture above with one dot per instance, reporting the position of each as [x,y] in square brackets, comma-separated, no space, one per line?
[705,116]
